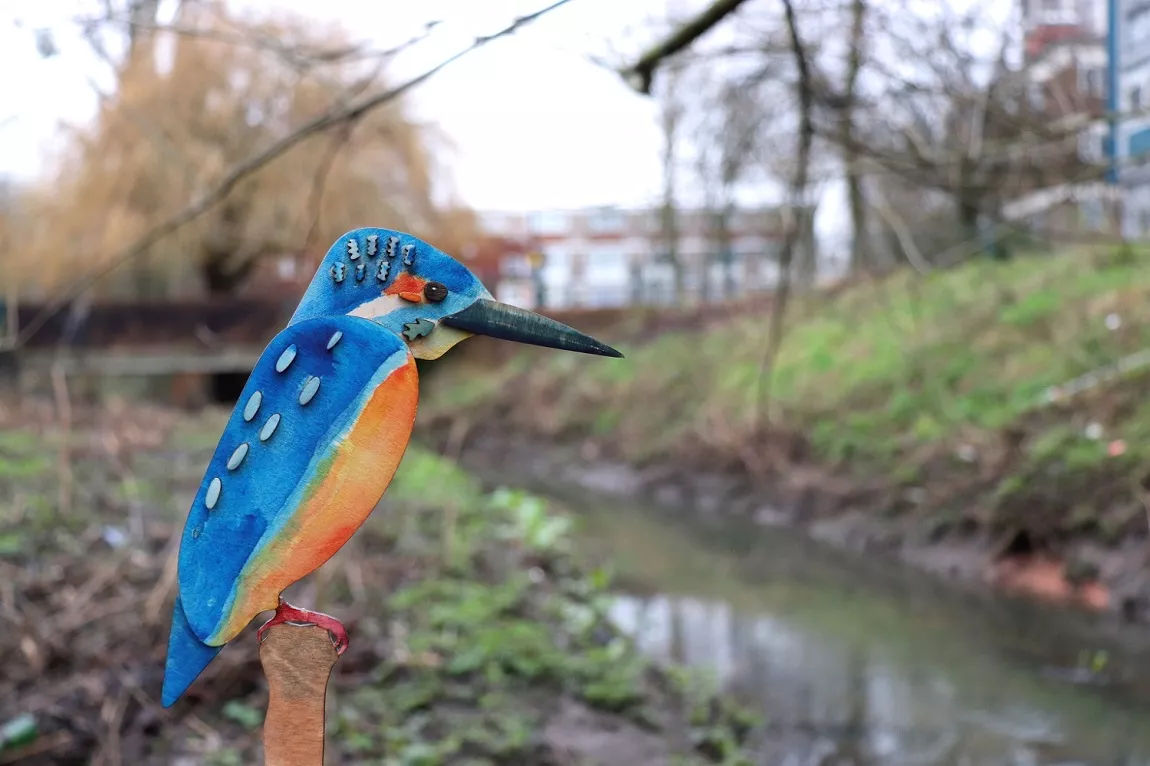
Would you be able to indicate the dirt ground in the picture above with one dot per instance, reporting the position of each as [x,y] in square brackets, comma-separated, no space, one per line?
[89,524]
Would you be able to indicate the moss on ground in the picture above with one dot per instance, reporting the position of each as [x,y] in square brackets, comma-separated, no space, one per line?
[940,380]
[477,635]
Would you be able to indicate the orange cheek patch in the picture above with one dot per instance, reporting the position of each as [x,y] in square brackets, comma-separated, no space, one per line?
[407,286]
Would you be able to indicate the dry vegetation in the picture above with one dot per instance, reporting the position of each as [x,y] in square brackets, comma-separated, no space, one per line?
[196,98]
[477,637]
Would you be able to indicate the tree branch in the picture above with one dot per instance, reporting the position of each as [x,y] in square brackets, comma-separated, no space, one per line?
[341,115]
[641,75]
[797,194]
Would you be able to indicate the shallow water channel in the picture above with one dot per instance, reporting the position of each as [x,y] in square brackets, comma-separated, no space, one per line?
[853,661]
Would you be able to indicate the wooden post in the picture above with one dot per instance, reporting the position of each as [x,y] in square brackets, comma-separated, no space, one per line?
[297,660]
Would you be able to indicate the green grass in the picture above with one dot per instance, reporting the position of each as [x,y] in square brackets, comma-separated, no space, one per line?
[474,617]
[876,376]
[491,633]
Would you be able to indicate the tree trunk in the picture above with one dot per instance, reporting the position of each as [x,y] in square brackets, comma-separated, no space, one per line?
[725,248]
[860,243]
[670,118]
[670,222]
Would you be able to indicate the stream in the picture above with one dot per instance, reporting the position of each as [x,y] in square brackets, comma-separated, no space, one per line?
[851,661]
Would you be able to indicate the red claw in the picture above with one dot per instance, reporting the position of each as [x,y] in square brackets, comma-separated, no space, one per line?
[290,615]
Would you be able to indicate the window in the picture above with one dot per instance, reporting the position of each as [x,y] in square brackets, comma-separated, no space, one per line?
[606,221]
[1139,143]
[1090,148]
[1056,12]
[607,267]
[549,222]
[1091,80]
[496,223]
[557,266]
[1137,28]
[515,266]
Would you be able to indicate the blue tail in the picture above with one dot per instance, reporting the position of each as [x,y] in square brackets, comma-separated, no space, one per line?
[187,657]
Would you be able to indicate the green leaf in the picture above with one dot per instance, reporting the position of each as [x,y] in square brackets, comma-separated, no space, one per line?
[245,715]
[19,731]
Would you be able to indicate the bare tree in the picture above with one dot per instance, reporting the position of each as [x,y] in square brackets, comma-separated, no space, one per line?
[860,243]
[342,108]
[671,112]
[165,135]
[727,120]
[928,94]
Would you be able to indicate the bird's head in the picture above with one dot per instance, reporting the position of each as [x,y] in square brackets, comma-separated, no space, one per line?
[424,295]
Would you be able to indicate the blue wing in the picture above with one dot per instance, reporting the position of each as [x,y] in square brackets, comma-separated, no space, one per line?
[282,420]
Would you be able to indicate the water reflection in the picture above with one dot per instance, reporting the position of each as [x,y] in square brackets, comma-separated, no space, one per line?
[834,700]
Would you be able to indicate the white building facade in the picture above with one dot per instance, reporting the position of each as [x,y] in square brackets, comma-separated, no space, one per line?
[1130,53]
[605,257]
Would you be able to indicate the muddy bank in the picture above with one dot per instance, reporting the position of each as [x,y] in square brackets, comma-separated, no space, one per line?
[1080,573]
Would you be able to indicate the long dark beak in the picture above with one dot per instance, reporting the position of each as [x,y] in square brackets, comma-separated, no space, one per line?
[499,320]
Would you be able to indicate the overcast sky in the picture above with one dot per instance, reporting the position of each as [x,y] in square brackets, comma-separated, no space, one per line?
[534,122]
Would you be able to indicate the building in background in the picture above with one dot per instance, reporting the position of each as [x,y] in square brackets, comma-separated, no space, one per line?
[1130,75]
[609,256]
[502,263]
[1065,69]
[1047,23]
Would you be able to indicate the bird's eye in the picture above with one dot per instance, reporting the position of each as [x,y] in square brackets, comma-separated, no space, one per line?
[435,291]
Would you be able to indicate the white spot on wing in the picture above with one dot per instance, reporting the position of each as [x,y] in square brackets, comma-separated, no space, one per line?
[253,405]
[213,494]
[309,389]
[286,358]
[334,339]
[270,427]
[238,457]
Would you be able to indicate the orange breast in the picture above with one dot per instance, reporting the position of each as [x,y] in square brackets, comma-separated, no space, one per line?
[352,480]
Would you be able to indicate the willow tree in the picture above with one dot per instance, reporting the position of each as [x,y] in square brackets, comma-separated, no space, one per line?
[195,98]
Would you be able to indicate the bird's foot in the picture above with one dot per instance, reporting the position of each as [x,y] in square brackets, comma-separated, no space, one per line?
[290,615]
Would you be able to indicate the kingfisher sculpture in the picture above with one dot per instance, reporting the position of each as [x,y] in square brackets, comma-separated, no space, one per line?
[319,431]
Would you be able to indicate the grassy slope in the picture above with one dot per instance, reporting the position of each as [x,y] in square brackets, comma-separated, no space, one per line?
[935,384]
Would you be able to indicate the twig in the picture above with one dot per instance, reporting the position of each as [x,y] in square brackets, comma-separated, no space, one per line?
[241,170]
[797,194]
[64,457]
[292,54]
[154,603]
[642,74]
[319,183]
[112,713]
[902,233]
